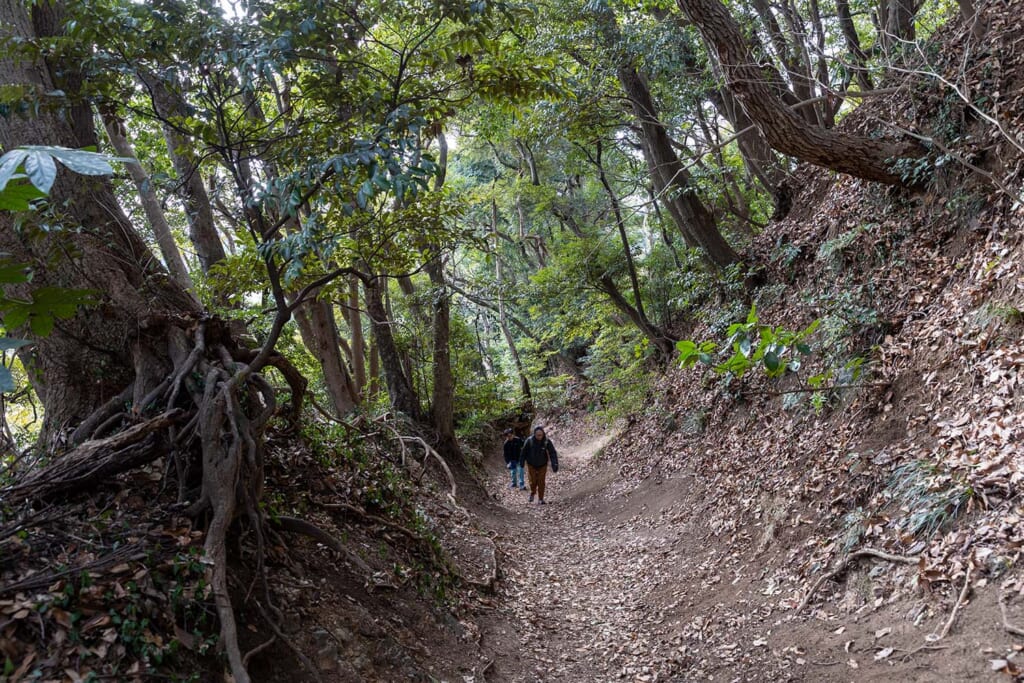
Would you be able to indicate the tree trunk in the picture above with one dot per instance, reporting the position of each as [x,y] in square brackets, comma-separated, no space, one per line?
[669,176]
[661,341]
[355,324]
[82,363]
[897,20]
[857,155]
[442,403]
[858,57]
[150,203]
[671,179]
[319,332]
[202,228]
[758,155]
[499,279]
[399,384]
[620,225]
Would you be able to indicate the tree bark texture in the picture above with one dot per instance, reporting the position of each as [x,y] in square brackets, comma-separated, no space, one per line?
[399,384]
[319,333]
[150,203]
[198,209]
[88,359]
[857,155]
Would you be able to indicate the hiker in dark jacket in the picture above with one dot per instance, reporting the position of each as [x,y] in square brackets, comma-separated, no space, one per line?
[513,449]
[537,453]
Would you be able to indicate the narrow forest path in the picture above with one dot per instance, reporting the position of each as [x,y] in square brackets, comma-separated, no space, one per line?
[575,582]
[636,579]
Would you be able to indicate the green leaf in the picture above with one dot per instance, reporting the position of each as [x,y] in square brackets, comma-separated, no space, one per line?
[9,164]
[7,384]
[13,273]
[83,161]
[11,344]
[752,316]
[17,196]
[803,348]
[772,361]
[41,170]
[15,316]
[42,325]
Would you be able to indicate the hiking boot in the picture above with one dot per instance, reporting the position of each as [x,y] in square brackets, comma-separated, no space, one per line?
[542,502]
[531,497]
[511,486]
[522,488]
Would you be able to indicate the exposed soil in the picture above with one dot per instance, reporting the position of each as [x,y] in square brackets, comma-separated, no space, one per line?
[625,578]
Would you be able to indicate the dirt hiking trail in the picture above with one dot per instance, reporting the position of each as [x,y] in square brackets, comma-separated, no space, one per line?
[625,579]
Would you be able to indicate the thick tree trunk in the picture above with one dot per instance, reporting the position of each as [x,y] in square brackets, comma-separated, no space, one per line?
[319,332]
[150,203]
[671,179]
[202,228]
[399,384]
[83,362]
[896,18]
[442,403]
[857,155]
[758,155]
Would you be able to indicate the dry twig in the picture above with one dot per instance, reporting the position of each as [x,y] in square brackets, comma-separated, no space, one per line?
[956,607]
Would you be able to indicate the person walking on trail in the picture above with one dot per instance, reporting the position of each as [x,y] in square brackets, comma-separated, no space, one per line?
[513,449]
[538,452]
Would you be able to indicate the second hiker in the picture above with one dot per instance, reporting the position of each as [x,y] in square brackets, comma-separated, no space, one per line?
[513,449]
[537,453]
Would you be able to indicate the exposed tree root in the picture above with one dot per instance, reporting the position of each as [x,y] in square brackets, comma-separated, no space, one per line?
[258,649]
[429,451]
[360,512]
[300,526]
[1007,626]
[845,564]
[934,638]
[95,461]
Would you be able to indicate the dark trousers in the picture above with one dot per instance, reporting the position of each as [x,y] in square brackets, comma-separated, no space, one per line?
[537,477]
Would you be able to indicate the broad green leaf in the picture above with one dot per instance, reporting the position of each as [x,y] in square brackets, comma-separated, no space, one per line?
[82,161]
[7,384]
[9,164]
[15,316]
[42,325]
[17,196]
[12,273]
[685,346]
[11,344]
[772,361]
[41,170]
